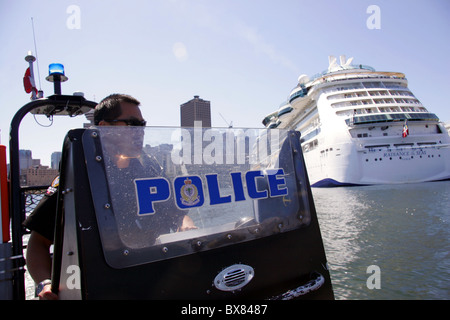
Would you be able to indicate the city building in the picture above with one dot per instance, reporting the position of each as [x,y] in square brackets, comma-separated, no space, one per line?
[37,176]
[196,109]
[55,159]
[32,173]
[25,159]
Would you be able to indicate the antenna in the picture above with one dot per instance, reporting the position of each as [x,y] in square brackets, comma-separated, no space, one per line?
[35,50]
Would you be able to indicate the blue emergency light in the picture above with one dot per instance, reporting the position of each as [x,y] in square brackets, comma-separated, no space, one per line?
[56,68]
[56,75]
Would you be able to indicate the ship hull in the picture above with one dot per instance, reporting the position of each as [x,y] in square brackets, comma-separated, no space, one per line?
[348,165]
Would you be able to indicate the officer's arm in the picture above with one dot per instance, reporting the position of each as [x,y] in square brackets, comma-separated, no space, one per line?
[39,262]
[188,224]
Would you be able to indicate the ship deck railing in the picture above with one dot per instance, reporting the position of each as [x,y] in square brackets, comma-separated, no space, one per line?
[409,116]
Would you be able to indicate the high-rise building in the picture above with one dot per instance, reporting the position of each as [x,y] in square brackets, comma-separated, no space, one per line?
[196,110]
[55,159]
[25,159]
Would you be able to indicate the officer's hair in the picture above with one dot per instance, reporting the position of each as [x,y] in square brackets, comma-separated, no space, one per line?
[109,107]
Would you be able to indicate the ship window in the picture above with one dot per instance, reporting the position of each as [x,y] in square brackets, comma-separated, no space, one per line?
[372,84]
[310,135]
[397,116]
[378,146]
[425,143]
[362,135]
[310,146]
[403,144]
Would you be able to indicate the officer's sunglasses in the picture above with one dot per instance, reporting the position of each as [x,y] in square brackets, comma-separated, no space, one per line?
[131,122]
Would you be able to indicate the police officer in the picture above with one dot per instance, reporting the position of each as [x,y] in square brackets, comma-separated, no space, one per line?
[114,110]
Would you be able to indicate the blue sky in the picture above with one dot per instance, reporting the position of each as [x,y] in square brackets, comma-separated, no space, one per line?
[243,56]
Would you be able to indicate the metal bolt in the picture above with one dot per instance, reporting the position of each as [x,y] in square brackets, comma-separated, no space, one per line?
[229,236]
[107,206]
[165,249]
[94,134]
[98,158]
[126,252]
[66,191]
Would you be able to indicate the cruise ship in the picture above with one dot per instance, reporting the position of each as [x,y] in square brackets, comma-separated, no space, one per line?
[360,126]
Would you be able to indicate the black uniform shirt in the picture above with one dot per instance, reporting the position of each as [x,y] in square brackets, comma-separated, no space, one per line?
[42,219]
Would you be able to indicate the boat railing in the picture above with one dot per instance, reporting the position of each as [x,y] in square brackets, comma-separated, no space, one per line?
[346,76]
[352,67]
[31,196]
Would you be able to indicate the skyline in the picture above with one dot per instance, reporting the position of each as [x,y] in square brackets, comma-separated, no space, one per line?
[244,57]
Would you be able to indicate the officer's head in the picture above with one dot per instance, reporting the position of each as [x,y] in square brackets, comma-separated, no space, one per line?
[120,110]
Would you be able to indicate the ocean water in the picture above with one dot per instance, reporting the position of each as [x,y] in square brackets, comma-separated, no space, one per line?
[402,230]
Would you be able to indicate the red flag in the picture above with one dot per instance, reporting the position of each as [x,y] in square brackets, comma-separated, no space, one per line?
[28,82]
[405,132]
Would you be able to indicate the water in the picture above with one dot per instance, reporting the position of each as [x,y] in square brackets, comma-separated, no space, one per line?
[402,229]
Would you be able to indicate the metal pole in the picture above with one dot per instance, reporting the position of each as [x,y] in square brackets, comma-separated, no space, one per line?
[57,84]
[16,205]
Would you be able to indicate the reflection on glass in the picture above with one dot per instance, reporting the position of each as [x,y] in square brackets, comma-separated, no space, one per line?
[172,184]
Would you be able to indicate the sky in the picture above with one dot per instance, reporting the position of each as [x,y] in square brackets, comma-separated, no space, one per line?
[243,56]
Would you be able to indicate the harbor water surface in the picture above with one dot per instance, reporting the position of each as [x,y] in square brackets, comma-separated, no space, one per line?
[403,230]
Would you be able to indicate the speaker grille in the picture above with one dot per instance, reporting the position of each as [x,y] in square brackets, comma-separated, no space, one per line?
[234,277]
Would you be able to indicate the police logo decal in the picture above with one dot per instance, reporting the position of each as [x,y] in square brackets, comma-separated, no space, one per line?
[188,192]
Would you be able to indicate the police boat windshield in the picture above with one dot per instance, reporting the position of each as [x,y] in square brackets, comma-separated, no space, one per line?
[162,192]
